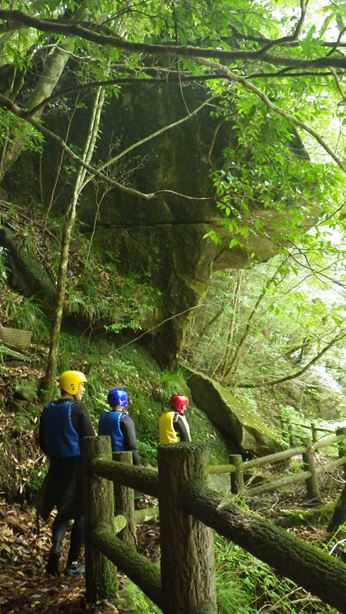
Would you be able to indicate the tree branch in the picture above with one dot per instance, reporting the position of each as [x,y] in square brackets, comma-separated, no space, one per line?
[13,108]
[298,373]
[85,87]
[341,92]
[73,29]
[152,136]
[290,38]
[231,76]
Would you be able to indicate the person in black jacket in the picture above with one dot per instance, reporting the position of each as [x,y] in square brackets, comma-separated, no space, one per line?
[119,425]
[63,424]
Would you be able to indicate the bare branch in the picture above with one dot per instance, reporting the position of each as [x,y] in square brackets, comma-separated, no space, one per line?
[86,87]
[298,373]
[341,92]
[13,108]
[152,136]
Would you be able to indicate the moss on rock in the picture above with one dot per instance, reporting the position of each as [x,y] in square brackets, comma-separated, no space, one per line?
[238,421]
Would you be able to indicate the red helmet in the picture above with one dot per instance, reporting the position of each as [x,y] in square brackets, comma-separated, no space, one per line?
[178,402]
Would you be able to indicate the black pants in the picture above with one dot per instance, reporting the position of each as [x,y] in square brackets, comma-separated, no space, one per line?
[59,528]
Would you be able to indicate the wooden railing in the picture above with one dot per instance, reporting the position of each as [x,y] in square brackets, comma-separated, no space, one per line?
[289,432]
[237,468]
[188,510]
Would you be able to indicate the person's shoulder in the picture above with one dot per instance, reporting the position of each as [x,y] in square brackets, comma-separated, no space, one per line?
[79,408]
[51,404]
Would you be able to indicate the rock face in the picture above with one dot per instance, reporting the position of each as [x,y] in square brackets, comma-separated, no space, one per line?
[241,427]
[161,239]
[26,273]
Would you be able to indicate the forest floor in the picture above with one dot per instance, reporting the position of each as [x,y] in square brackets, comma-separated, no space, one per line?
[24,586]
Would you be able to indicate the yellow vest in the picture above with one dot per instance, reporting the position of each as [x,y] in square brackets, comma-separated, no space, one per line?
[166,430]
[167,433]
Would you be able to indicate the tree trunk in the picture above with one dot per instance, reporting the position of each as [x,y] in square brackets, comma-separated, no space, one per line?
[70,219]
[45,86]
[339,515]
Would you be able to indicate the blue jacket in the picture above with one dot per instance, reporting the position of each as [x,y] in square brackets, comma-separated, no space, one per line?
[109,424]
[61,439]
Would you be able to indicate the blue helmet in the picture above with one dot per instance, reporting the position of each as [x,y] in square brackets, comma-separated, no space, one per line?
[117,396]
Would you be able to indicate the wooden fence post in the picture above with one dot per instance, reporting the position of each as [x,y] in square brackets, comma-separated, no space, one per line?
[290,434]
[314,432]
[237,476]
[187,554]
[342,445]
[100,573]
[312,487]
[125,502]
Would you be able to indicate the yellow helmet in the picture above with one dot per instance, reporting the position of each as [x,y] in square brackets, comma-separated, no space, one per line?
[69,380]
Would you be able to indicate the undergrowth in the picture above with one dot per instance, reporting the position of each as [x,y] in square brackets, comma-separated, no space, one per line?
[246,585]
[136,601]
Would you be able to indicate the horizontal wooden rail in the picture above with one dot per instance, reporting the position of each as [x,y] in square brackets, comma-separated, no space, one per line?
[291,479]
[146,514]
[301,426]
[327,441]
[145,480]
[188,512]
[305,564]
[258,462]
[277,456]
[274,458]
[215,469]
[310,426]
[119,523]
[320,429]
[143,572]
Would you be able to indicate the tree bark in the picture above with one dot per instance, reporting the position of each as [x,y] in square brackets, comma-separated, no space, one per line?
[45,86]
[187,555]
[100,574]
[124,502]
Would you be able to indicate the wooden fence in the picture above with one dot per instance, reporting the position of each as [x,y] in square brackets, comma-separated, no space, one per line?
[184,583]
[290,433]
[237,468]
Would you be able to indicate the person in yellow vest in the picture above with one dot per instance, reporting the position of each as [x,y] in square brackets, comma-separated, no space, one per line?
[173,426]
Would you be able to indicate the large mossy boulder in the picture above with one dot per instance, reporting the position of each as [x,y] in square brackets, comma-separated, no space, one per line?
[242,428]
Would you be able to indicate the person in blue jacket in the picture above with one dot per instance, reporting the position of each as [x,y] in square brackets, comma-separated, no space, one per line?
[63,424]
[119,425]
